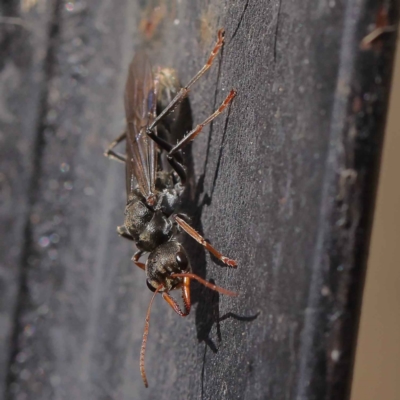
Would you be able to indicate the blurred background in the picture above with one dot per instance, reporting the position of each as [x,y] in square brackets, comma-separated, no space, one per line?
[377,369]
[73,300]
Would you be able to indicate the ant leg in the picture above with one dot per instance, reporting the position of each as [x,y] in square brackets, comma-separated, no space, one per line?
[185,217]
[122,231]
[135,259]
[163,144]
[192,134]
[184,91]
[176,161]
[173,155]
[179,169]
[205,283]
[110,153]
[196,236]
[186,299]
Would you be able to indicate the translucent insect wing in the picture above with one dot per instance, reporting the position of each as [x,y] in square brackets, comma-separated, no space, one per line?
[140,109]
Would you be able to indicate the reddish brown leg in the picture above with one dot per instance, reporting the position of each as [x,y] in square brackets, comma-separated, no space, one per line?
[196,236]
[214,52]
[186,299]
[135,259]
[110,153]
[184,91]
[205,283]
[192,134]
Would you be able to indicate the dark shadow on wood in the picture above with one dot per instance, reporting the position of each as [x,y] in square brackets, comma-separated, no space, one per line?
[298,154]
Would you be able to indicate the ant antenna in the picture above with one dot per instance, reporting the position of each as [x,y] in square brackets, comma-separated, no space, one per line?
[145,334]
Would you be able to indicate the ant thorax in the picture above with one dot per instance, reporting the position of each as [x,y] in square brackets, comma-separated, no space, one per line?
[150,226]
[169,192]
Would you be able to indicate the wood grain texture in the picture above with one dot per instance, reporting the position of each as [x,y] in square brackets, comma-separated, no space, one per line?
[283,182]
[24,63]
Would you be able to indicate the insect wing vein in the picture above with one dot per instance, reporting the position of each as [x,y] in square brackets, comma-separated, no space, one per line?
[140,109]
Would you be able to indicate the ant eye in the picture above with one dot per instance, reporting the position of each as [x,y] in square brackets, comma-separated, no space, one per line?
[150,286]
[181,260]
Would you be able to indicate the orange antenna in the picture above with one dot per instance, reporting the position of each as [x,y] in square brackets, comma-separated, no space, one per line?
[145,334]
[206,284]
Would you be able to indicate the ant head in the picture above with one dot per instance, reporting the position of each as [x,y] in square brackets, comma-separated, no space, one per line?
[167,259]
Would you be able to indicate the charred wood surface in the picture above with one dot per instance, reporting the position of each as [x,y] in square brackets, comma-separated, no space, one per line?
[283,182]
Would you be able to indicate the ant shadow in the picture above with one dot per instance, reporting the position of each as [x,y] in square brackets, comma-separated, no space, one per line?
[194,200]
[207,314]
[208,301]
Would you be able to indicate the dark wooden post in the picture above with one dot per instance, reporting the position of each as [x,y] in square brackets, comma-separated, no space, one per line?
[284,182]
